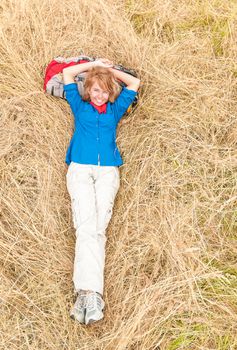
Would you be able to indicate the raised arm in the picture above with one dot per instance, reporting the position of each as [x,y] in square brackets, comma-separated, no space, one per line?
[69,73]
[131,81]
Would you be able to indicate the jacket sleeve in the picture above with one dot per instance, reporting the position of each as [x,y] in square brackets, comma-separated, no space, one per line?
[123,101]
[73,98]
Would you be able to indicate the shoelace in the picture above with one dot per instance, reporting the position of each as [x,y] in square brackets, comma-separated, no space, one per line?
[93,299]
[80,302]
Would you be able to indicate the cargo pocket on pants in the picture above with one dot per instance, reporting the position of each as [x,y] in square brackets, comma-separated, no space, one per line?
[117,179]
[116,185]
[75,212]
[108,215]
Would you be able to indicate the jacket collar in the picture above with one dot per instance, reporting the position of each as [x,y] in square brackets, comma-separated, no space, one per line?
[100,109]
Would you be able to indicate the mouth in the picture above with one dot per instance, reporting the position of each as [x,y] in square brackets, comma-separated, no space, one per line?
[99,102]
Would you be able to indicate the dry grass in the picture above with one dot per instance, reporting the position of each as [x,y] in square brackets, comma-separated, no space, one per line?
[171,270]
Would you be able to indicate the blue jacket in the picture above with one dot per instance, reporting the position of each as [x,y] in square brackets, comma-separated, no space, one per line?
[94,138]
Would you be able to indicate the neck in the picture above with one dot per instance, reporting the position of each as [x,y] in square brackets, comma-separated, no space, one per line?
[100,109]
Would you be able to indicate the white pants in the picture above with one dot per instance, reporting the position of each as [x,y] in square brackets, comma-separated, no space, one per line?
[92,189]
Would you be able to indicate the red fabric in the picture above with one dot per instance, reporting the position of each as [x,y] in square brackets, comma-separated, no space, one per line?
[100,109]
[55,67]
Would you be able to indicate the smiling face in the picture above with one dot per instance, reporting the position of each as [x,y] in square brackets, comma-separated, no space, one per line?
[98,95]
[100,86]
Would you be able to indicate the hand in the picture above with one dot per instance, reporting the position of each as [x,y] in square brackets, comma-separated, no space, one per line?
[103,62]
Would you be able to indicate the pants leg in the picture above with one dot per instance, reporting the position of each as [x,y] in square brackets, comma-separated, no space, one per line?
[106,188]
[92,190]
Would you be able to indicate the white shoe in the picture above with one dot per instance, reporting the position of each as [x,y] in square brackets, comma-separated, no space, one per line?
[94,306]
[78,310]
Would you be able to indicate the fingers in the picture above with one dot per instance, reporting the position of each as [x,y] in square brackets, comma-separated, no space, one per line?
[104,62]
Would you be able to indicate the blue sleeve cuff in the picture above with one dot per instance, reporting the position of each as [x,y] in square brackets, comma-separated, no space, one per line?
[70,87]
[131,93]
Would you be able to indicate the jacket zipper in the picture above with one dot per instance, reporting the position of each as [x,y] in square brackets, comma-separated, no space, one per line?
[98,139]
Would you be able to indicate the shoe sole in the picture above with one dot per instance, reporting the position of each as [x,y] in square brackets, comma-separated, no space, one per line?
[74,318]
[91,320]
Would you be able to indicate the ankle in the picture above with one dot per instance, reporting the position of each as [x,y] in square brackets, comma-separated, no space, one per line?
[87,292]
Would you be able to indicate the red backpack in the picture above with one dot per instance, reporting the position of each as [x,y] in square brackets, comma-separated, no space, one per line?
[53,81]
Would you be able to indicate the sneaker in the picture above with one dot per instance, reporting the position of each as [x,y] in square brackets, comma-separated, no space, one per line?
[78,310]
[94,306]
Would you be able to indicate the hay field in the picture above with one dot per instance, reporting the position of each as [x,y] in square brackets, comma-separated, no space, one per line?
[171,266]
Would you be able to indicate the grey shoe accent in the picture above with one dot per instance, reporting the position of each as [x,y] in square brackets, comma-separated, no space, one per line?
[94,306]
[78,310]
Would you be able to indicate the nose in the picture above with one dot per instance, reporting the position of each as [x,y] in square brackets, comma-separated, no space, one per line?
[100,96]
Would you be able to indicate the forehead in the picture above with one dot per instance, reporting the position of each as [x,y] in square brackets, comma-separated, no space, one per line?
[98,86]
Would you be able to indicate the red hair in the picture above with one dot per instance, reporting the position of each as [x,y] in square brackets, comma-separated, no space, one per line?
[105,78]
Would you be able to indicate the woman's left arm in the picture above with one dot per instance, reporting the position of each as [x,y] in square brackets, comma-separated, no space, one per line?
[132,83]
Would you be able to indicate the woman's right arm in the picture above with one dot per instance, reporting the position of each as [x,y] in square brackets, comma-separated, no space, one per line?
[132,83]
[69,73]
